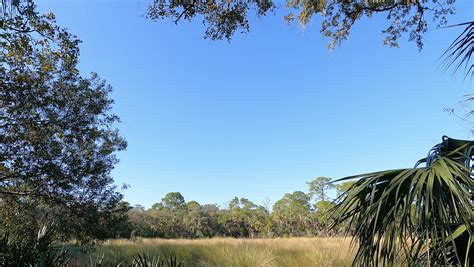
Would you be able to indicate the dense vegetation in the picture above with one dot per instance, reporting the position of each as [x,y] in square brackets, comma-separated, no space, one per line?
[58,141]
[296,214]
[58,145]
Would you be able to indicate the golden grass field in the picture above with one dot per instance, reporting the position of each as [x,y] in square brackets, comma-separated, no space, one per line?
[288,252]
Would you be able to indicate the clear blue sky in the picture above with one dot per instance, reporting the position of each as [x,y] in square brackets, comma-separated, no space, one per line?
[260,116]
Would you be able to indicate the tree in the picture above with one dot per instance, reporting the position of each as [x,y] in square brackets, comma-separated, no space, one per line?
[201,221]
[343,187]
[213,213]
[168,216]
[422,213]
[224,18]
[58,143]
[141,222]
[323,218]
[173,200]
[235,218]
[119,226]
[249,219]
[318,188]
[196,221]
[291,214]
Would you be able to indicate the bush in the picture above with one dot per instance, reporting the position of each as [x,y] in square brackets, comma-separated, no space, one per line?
[43,251]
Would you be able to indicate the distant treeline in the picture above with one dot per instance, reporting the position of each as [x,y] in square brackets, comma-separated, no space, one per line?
[296,214]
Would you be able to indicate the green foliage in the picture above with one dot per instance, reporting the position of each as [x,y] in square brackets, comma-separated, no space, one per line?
[291,214]
[224,18]
[173,200]
[323,218]
[244,219]
[57,134]
[318,188]
[341,188]
[41,252]
[417,214]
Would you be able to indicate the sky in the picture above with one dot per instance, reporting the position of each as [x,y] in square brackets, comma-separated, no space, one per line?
[260,116]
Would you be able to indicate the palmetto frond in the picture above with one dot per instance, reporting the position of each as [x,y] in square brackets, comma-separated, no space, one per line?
[413,215]
[460,51]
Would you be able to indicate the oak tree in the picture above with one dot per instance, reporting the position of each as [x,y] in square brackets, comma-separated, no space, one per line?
[58,140]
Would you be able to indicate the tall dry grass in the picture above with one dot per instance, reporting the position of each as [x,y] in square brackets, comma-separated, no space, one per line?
[304,252]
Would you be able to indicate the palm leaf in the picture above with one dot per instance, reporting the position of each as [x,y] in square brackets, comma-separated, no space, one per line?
[460,51]
[406,214]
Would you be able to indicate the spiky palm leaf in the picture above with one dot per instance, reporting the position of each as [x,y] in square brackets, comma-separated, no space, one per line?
[413,215]
[460,51]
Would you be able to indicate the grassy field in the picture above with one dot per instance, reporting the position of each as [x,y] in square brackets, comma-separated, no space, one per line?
[226,252]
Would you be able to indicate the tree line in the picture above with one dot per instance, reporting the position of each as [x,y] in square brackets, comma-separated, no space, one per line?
[295,214]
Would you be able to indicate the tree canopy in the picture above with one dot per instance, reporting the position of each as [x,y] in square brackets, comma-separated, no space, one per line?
[318,188]
[223,19]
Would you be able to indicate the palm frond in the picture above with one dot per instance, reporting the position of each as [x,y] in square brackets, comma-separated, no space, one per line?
[407,214]
[460,51]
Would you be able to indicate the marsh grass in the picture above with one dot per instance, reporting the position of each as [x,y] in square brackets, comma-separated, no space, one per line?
[226,252]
